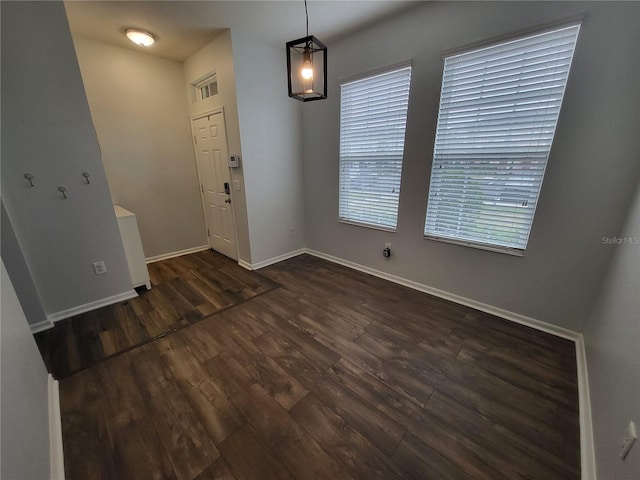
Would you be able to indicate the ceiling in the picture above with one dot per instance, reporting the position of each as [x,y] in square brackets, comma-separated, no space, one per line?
[181,28]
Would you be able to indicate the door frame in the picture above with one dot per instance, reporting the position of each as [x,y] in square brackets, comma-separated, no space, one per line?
[192,118]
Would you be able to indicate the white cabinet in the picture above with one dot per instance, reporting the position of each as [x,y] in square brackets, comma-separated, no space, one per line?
[132,247]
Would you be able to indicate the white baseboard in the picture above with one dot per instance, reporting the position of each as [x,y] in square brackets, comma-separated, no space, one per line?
[87,307]
[45,324]
[587,444]
[244,264]
[179,253]
[271,261]
[56,453]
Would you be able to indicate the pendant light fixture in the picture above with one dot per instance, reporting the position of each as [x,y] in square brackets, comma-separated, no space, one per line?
[307,67]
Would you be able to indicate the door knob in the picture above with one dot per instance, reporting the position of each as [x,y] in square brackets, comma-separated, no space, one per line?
[228,200]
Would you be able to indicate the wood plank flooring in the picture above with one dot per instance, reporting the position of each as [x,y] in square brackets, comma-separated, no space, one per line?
[333,375]
[184,290]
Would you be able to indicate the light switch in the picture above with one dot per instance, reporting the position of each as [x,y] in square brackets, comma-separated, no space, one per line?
[236,185]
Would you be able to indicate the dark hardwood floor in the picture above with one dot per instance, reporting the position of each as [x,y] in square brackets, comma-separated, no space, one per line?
[333,375]
[184,291]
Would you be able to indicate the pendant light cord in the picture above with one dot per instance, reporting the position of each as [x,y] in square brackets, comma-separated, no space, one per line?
[306,13]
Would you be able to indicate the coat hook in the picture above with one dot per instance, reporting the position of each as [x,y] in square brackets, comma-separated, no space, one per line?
[29,176]
[86,176]
[63,190]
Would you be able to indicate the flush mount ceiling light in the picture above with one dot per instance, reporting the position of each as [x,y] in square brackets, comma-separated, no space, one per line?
[140,37]
[307,67]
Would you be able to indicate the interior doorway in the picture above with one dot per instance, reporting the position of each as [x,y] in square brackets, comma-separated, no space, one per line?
[210,143]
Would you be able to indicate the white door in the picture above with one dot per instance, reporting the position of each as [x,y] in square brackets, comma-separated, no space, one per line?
[210,140]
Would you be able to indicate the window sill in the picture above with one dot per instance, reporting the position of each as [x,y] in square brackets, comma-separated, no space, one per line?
[480,246]
[367,225]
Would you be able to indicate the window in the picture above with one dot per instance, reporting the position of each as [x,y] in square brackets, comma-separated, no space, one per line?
[209,90]
[204,88]
[499,106]
[373,115]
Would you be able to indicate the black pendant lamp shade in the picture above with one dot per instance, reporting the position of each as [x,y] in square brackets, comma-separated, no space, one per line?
[307,68]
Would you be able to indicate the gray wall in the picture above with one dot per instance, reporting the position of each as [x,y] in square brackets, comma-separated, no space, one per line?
[140,114]
[218,56]
[24,439]
[47,131]
[612,339]
[19,271]
[590,176]
[271,148]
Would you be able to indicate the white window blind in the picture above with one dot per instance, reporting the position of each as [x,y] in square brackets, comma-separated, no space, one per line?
[373,115]
[498,111]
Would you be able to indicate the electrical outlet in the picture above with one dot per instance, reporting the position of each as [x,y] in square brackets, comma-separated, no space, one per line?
[387,245]
[291,231]
[628,439]
[99,268]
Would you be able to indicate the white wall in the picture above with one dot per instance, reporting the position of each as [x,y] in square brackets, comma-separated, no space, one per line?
[270,130]
[24,438]
[217,57]
[47,130]
[612,339]
[142,121]
[589,181]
